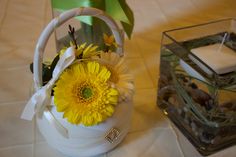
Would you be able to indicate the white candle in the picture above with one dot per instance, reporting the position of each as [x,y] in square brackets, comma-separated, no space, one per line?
[220,58]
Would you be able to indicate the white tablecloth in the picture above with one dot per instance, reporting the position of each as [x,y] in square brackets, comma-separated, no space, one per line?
[151,135]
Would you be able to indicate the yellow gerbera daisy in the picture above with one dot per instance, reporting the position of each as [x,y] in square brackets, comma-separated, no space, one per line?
[83,94]
[120,78]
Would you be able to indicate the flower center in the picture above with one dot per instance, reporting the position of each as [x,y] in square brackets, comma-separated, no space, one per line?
[86,92]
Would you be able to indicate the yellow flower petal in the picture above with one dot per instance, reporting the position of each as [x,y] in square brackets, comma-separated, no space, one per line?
[93,67]
[104,73]
[83,94]
[90,51]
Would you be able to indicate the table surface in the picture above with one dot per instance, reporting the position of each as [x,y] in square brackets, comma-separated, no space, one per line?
[151,135]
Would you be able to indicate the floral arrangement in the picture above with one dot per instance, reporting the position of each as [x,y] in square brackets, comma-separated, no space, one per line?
[88,91]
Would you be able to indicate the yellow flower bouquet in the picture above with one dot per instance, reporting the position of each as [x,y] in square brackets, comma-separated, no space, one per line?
[83,98]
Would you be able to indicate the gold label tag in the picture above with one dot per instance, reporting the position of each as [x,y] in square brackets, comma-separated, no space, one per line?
[113,135]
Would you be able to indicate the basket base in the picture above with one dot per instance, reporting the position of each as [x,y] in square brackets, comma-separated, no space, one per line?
[87,141]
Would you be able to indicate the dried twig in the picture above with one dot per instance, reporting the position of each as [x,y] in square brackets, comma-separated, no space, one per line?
[71,32]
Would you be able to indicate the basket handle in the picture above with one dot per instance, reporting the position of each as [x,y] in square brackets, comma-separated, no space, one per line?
[62,18]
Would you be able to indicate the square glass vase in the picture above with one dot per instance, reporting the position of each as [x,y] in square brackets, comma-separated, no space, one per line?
[196,97]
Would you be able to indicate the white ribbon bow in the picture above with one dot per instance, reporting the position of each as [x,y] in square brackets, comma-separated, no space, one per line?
[42,97]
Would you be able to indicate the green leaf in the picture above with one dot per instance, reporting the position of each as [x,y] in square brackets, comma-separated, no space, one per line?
[128,29]
[63,5]
[31,67]
[54,63]
[119,10]
[46,74]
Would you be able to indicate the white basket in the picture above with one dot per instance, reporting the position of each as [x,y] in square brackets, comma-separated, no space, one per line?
[78,140]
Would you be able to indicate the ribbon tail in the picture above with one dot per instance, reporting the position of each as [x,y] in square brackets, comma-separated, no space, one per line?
[29,110]
[36,103]
[57,125]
